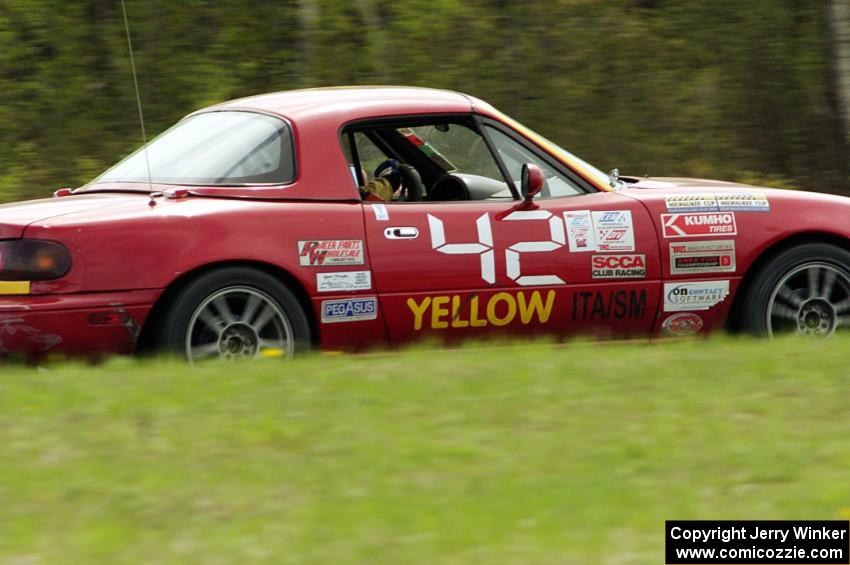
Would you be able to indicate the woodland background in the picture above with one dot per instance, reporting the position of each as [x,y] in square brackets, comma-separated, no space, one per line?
[757,91]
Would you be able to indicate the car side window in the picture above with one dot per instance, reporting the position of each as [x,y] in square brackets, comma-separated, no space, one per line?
[514,155]
[452,158]
[370,155]
[456,148]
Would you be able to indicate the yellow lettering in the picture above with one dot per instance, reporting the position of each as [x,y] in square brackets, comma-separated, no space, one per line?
[491,309]
[457,321]
[535,304]
[418,311]
[438,311]
[449,310]
[473,314]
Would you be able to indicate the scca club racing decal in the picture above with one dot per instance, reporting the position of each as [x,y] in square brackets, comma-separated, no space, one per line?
[698,224]
[500,309]
[720,202]
[330,252]
[682,324]
[349,310]
[690,257]
[608,305]
[632,266]
[601,231]
[700,295]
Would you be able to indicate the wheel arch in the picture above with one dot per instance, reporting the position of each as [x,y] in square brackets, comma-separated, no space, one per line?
[145,343]
[733,322]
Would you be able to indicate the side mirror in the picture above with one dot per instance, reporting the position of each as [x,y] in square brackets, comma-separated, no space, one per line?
[532,182]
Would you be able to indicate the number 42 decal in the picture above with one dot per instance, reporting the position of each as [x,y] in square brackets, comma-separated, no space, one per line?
[484,246]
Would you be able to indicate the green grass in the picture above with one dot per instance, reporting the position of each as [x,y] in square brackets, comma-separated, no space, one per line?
[518,454]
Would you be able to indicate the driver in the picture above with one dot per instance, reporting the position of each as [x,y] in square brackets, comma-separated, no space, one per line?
[393,178]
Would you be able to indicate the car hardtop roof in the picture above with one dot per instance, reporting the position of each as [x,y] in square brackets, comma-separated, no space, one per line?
[348,103]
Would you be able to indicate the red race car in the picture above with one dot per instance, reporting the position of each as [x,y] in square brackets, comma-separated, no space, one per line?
[359,217]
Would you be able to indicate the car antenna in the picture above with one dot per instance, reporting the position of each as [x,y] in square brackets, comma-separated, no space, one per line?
[151,202]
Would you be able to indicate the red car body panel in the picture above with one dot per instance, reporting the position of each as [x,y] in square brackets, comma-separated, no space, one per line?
[129,248]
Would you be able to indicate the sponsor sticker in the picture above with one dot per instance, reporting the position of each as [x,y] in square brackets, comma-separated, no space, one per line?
[702,295]
[580,231]
[691,203]
[690,257]
[746,202]
[349,310]
[682,324]
[614,231]
[381,212]
[609,305]
[340,282]
[718,202]
[699,224]
[632,266]
[602,231]
[330,252]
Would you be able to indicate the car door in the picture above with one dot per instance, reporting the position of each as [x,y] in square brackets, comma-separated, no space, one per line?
[577,263]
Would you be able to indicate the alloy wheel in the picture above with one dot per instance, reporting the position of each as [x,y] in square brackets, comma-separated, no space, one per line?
[238,323]
[811,299]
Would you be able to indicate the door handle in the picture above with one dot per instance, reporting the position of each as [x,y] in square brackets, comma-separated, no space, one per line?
[401,233]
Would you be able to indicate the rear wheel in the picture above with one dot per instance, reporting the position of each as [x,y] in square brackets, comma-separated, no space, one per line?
[803,290]
[235,313]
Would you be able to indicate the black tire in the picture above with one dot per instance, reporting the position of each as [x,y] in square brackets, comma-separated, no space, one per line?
[803,289]
[207,311]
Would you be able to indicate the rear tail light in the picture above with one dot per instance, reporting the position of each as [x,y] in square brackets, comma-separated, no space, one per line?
[33,260]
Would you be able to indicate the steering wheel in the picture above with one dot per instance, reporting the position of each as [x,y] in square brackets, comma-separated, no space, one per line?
[448,188]
[414,189]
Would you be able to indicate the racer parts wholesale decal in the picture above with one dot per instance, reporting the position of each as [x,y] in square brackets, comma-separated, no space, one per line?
[702,295]
[330,252]
[631,266]
[720,202]
[604,305]
[699,225]
[340,282]
[688,257]
[349,310]
[500,309]
[682,324]
[603,231]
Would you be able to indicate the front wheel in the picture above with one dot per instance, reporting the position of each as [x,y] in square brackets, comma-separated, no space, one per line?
[235,313]
[803,290]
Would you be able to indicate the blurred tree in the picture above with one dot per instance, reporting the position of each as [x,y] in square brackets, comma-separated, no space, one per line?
[839,19]
[717,88]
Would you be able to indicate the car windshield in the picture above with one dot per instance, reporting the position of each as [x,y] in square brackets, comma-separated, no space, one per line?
[215,148]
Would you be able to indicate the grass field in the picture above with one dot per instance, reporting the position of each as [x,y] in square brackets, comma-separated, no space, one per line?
[513,454]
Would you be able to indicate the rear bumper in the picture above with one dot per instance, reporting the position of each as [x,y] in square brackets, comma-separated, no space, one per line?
[74,324]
